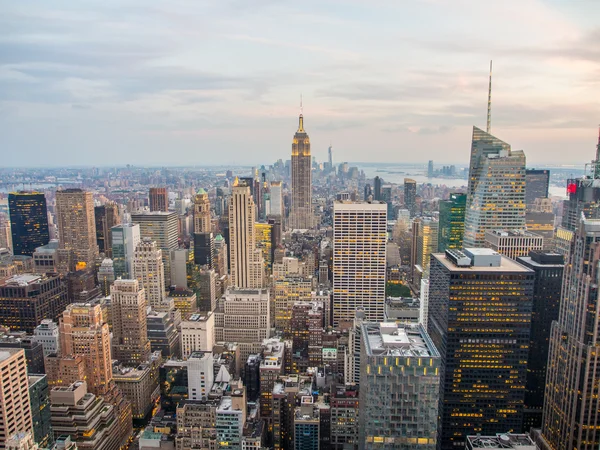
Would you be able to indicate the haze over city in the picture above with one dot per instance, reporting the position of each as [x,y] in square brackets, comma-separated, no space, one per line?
[199,82]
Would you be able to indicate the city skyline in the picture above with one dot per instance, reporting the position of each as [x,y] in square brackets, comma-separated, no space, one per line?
[136,81]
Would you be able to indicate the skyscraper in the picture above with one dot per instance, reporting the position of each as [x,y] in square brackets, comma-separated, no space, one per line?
[247,270]
[76,229]
[128,313]
[410,196]
[430,169]
[301,212]
[276,201]
[496,192]
[399,387]
[148,270]
[159,199]
[15,408]
[330,157]
[571,403]
[547,287]
[125,239]
[536,186]
[204,246]
[106,217]
[162,228]
[377,188]
[479,320]
[452,222]
[359,251]
[28,221]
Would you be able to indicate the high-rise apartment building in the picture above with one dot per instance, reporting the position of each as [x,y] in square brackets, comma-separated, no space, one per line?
[399,387]
[536,186]
[128,313]
[547,288]
[247,270]
[359,251]
[452,222]
[410,196]
[496,191]
[148,270]
[28,221]
[26,300]
[106,216]
[159,199]
[204,246]
[15,407]
[125,239]
[479,320]
[571,416]
[301,211]
[76,229]
[162,228]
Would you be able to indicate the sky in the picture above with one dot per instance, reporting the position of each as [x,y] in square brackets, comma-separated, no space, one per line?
[143,82]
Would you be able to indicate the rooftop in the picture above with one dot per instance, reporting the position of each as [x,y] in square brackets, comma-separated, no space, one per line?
[392,339]
[506,264]
[24,279]
[513,233]
[507,440]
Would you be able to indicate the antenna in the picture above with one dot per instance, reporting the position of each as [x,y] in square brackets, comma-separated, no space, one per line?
[301,109]
[489,112]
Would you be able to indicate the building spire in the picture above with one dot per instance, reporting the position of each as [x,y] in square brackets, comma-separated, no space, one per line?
[301,118]
[489,111]
[597,161]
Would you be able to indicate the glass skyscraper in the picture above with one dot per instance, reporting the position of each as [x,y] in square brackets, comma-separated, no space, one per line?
[28,221]
[479,320]
[496,192]
[536,185]
[452,222]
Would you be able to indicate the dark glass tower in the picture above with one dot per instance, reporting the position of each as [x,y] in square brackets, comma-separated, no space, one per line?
[377,188]
[536,185]
[410,196]
[28,221]
[452,222]
[548,268]
[479,320]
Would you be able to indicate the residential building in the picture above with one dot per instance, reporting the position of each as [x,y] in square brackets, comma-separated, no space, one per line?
[15,407]
[399,387]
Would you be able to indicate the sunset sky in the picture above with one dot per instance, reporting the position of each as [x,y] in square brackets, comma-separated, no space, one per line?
[219,82]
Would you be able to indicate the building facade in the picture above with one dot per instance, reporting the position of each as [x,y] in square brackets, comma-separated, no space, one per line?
[15,407]
[148,270]
[158,199]
[125,239]
[452,222]
[28,221]
[301,212]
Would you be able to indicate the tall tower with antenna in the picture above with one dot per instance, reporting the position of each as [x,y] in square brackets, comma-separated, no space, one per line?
[597,165]
[301,213]
[489,111]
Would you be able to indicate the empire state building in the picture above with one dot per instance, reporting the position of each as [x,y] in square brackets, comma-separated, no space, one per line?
[301,212]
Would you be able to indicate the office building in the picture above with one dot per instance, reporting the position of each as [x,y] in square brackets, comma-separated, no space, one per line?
[410,196]
[200,375]
[513,243]
[479,320]
[247,269]
[377,188]
[139,385]
[197,334]
[452,222]
[90,421]
[106,216]
[5,233]
[244,319]
[39,397]
[162,228]
[26,300]
[570,418]
[288,291]
[542,224]
[425,242]
[536,186]
[496,191]
[547,288]
[307,425]
[148,269]
[359,250]
[106,276]
[28,221]
[45,258]
[76,229]
[301,211]
[399,387]
[184,300]
[230,419]
[221,265]
[47,334]
[204,249]
[583,197]
[264,241]
[128,313]
[125,238]
[15,407]
[344,417]
[34,352]
[159,199]
[162,334]
[276,200]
